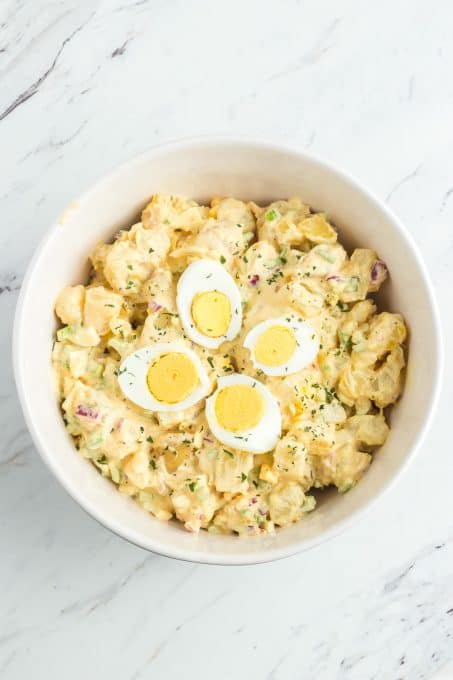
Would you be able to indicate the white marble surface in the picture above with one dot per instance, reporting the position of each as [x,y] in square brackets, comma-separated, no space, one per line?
[85,85]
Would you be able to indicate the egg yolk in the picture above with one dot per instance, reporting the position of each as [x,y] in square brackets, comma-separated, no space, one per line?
[211,312]
[239,408]
[172,377]
[275,346]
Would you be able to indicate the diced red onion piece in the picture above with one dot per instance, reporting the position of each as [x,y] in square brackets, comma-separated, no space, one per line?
[379,271]
[87,412]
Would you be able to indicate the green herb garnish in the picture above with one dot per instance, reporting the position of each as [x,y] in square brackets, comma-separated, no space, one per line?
[330,394]
[271,215]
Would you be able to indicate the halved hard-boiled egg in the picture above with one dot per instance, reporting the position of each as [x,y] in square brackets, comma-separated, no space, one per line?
[209,304]
[282,346]
[243,414]
[163,377]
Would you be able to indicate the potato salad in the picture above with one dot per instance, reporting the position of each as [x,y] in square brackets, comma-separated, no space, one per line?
[225,362]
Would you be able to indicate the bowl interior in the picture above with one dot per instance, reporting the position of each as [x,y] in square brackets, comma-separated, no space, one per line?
[202,169]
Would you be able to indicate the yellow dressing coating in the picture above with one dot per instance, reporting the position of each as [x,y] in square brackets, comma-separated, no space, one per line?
[275,346]
[239,408]
[211,312]
[172,377]
[285,260]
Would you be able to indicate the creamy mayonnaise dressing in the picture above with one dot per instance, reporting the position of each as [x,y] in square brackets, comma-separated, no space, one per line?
[284,261]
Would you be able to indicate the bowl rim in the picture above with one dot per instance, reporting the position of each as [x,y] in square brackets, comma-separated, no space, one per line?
[268,554]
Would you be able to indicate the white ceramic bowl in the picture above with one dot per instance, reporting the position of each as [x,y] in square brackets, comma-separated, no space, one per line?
[249,170]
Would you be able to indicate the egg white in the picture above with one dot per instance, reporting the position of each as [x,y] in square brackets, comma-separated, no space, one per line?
[305,352]
[260,439]
[132,377]
[199,277]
